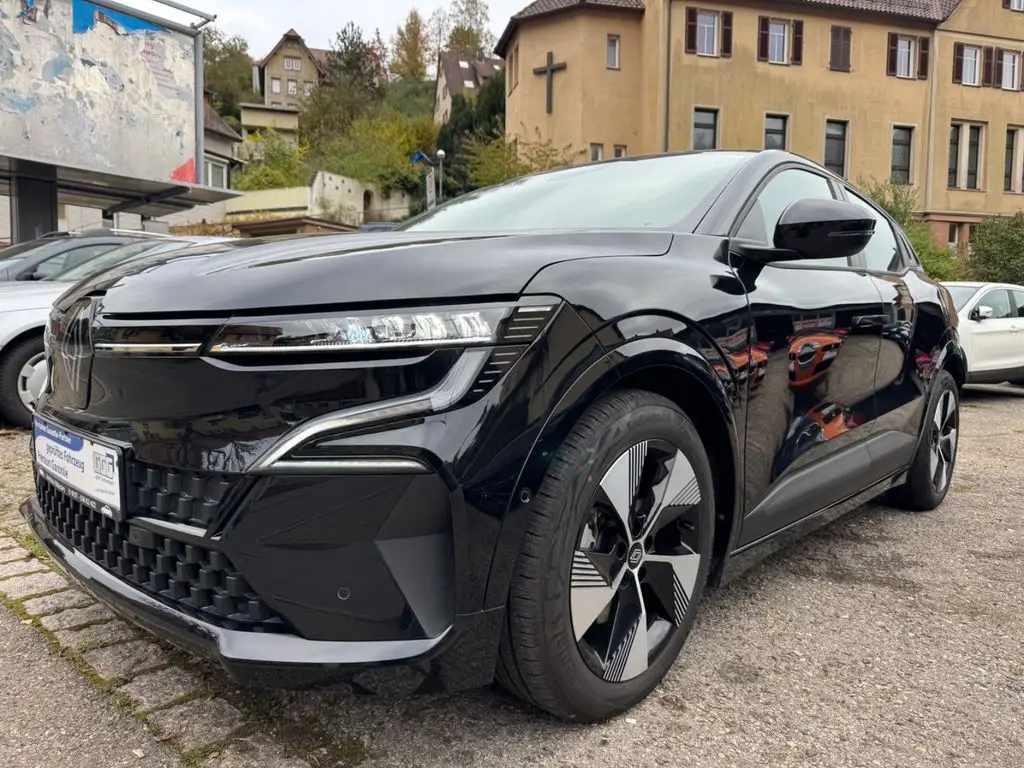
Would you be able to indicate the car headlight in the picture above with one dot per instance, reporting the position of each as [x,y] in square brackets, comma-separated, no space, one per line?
[481,325]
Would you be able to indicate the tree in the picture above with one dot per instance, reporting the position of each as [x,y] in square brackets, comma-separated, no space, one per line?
[900,202]
[353,86]
[997,249]
[377,150]
[282,164]
[469,34]
[412,97]
[489,106]
[409,48]
[439,26]
[227,70]
[496,160]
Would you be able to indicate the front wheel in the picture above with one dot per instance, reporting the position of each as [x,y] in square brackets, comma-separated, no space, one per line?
[22,375]
[932,470]
[614,560]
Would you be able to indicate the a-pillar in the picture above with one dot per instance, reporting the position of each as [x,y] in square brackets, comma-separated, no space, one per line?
[33,200]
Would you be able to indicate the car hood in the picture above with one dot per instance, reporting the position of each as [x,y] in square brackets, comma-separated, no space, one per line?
[379,267]
[17,296]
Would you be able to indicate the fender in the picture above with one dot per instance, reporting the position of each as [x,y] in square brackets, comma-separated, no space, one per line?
[18,322]
[613,368]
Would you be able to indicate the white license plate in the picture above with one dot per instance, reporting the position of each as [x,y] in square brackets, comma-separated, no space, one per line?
[87,470]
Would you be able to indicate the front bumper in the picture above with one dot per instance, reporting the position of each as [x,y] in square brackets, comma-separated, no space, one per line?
[460,656]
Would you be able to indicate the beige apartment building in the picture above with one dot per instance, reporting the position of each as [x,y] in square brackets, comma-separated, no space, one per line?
[926,92]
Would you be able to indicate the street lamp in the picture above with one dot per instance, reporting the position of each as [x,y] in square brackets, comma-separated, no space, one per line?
[440,175]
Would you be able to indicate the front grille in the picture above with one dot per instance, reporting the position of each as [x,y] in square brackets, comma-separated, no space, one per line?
[175,495]
[195,579]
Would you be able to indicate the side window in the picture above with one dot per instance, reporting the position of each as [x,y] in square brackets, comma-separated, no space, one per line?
[882,253]
[784,188]
[1018,297]
[70,258]
[999,301]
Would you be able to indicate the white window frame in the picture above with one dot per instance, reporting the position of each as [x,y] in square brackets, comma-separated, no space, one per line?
[293,63]
[1017,5]
[976,80]
[463,64]
[620,150]
[1017,169]
[774,26]
[613,45]
[1013,72]
[963,153]
[275,85]
[307,89]
[703,35]
[468,84]
[293,87]
[208,164]
[596,153]
[906,47]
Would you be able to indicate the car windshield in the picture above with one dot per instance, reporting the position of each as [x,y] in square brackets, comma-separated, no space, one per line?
[24,250]
[112,258]
[655,192]
[961,294]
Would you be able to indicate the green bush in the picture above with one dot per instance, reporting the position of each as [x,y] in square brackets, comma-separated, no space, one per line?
[900,202]
[997,249]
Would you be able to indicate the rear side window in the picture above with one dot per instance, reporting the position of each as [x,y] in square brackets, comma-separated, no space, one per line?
[1018,298]
[998,301]
[70,258]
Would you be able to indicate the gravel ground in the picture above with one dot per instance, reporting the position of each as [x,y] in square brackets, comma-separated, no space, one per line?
[886,639]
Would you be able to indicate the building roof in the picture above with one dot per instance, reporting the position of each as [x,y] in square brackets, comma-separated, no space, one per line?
[214,123]
[933,11]
[318,55]
[459,68]
[549,7]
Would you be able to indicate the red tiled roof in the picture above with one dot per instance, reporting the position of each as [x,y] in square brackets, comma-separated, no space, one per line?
[926,10]
[547,7]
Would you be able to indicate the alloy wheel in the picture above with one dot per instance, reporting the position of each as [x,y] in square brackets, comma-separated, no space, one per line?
[31,379]
[944,436]
[636,560]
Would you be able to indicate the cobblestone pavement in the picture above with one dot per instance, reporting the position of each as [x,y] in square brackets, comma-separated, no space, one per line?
[885,639]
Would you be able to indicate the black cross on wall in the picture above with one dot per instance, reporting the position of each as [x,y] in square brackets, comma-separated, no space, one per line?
[548,70]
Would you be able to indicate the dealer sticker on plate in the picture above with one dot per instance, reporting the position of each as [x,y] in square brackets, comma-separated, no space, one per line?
[87,471]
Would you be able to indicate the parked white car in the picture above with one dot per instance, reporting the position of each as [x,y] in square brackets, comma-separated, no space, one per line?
[24,309]
[991,330]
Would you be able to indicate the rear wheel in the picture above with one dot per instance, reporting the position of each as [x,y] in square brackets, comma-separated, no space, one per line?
[929,476]
[614,561]
[22,374]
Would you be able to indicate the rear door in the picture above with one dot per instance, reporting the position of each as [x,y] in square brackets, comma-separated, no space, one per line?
[994,339]
[816,326]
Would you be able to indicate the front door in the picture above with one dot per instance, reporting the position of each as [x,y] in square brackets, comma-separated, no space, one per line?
[994,339]
[817,324]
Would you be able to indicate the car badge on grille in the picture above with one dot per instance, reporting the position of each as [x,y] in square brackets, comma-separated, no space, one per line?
[71,352]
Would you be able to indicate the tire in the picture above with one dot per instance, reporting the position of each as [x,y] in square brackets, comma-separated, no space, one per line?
[13,411]
[629,438]
[924,489]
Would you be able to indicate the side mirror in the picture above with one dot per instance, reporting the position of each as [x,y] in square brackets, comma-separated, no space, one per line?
[823,229]
[981,312]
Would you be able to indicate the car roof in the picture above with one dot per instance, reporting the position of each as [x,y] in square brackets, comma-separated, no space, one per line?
[975,284]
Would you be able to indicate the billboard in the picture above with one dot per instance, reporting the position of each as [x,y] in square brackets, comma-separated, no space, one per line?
[98,88]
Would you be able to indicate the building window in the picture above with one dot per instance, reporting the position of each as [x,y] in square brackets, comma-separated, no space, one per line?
[905,57]
[515,74]
[463,64]
[596,152]
[307,88]
[707,33]
[902,139]
[215,174]
[953,236]
[839,57]
[973,151]
[971,65]
[835,146]
[1011,69]
[954,155]
[468,84]
[275,85]
[1017,5]
[778,42]
[293,88]
[293,64]
[705,128]
[775,132]
[620,150]
[1009,158]
[612,53]
[510,83]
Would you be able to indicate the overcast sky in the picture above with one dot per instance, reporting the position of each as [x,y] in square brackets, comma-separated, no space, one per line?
[262,22]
